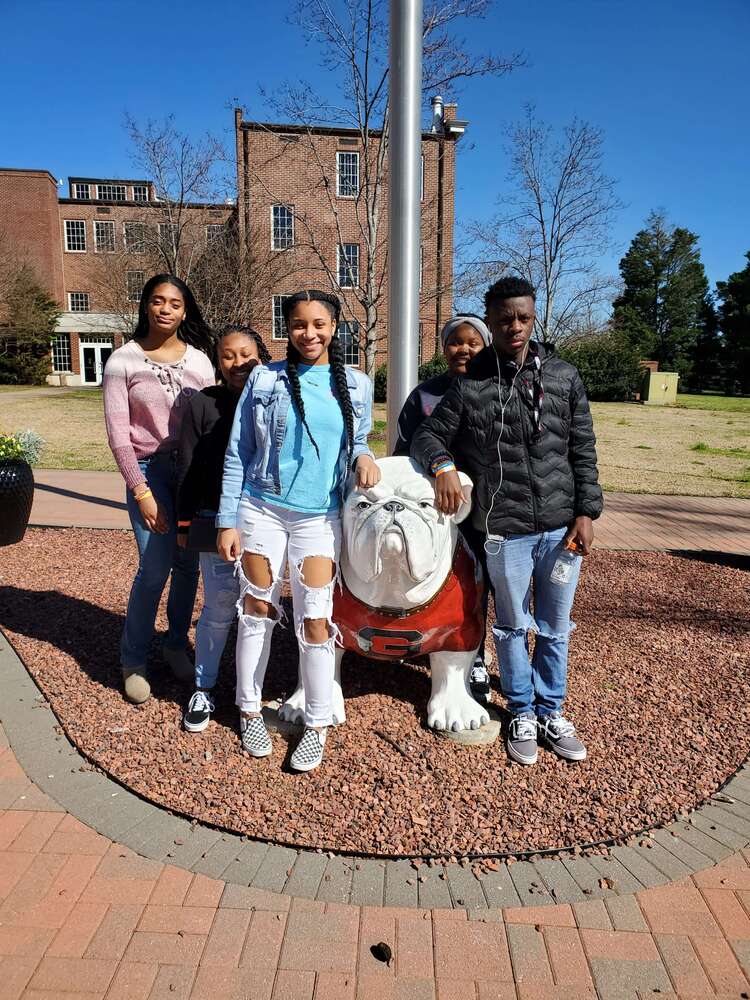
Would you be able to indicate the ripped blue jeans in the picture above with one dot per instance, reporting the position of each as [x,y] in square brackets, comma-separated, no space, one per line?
[514,565]
[221,589]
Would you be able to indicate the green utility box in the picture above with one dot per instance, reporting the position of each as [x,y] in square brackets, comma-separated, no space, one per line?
[659,388]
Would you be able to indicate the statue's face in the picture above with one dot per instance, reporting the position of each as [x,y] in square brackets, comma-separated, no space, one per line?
[396,525]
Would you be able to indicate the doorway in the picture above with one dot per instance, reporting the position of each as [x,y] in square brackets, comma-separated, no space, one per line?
[94,354]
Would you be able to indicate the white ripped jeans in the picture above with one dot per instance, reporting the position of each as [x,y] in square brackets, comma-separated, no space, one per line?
[286,535]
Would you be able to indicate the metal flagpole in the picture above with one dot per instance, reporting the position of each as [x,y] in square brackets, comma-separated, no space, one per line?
[404,221]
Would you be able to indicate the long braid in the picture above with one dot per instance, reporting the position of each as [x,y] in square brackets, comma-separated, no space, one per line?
[338,370]
[292,360]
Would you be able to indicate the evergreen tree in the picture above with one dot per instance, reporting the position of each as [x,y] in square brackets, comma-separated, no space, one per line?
[734,320]
[665,289]
[30,316]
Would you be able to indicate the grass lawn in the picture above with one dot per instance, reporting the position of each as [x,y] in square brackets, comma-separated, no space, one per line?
[701,447]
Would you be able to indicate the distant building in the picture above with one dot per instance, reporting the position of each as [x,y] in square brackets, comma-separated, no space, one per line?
[297,223]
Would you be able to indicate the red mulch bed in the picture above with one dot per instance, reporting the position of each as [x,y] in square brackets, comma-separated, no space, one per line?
[658,689]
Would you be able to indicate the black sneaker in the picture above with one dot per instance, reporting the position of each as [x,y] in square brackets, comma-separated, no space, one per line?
[254,736]
[560,736]
[479,682]
[198,714]
[521,741]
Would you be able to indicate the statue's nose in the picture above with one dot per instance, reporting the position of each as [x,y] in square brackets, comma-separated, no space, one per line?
[394,506]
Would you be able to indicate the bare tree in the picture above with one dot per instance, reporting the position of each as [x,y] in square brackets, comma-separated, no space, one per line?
[352,38]
[555,226]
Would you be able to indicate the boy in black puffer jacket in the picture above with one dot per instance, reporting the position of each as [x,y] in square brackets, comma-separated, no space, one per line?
[519,424]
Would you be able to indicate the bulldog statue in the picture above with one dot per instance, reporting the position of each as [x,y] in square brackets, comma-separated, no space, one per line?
[410,586]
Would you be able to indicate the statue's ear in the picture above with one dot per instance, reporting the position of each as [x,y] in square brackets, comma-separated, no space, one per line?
[467,486]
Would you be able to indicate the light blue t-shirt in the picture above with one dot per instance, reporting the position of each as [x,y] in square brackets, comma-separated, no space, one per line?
[309,483]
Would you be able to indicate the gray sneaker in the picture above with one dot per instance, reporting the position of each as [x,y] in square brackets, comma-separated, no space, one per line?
[254,736]
[309,751]
[521,741]
[560,736]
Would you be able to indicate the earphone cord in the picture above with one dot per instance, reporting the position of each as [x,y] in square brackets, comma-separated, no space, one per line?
[503,407]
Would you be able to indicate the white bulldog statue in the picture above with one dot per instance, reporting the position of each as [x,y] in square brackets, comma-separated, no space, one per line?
[410,586]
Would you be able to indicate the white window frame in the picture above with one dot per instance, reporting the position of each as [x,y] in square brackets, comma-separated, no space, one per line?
[169,232]
[114,186]
[130,295]
[348,331]
[109,226]
[85,298]
[78,192]
[345,268]
[81,234]
[61,352]
[218,235]
[138,188]
[276,227]
[139,248]
[278,327]
[339,154]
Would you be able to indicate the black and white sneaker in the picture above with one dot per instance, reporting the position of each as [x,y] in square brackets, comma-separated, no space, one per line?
[309,752]
[254,736]
[479,682]
[559,735]
[198,714]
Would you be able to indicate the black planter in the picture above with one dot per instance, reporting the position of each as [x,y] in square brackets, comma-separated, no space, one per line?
[16,497]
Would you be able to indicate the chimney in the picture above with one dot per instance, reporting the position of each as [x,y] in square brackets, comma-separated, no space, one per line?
[437,113]
[450,113]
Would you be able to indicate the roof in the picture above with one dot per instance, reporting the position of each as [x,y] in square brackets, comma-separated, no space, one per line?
[334,130]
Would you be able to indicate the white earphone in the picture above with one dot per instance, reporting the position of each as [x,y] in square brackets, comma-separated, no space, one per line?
[493,542]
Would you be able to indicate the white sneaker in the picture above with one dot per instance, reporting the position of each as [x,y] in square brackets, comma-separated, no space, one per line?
[198,713]
[254,736]
[309,752]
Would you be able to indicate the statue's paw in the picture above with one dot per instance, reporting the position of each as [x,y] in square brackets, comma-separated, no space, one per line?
[293,709]
[455,713]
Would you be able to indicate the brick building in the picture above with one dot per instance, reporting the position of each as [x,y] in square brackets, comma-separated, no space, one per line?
[302,194]
[300,220]
[92,251]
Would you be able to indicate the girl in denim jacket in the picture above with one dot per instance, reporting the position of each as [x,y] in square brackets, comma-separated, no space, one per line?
[300,426]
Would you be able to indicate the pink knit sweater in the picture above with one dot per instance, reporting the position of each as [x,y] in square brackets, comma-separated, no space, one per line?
[144,403]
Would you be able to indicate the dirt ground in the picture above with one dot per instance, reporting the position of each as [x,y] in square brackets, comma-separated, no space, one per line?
[686,450]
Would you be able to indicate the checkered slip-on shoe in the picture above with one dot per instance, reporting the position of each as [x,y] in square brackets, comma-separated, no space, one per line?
[309,752]
[254,736]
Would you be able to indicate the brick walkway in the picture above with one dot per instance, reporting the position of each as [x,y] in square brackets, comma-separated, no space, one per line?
[630,520]
[81,916]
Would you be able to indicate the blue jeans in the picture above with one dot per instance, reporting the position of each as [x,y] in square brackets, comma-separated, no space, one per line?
[221,591]
[159,555]
[538,686]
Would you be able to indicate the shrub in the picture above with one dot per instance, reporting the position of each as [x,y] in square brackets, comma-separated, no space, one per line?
[608,366]
[380,387]
[26,445]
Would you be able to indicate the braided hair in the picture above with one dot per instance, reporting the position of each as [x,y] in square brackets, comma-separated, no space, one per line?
[336,360]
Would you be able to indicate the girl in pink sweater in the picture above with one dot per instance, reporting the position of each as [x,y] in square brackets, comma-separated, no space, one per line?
[147,384]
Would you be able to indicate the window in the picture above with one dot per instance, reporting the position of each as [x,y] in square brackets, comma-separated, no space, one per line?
[169,234]
[110,192]
[140,192]
[279,327]
[134,281]
[347,175]
[420,351]
[104,236]
[61,353]
[75,236]
[349,334]
[78,302]
[135,237]
[214,233]
[282,227]
[347,265]
[81,191]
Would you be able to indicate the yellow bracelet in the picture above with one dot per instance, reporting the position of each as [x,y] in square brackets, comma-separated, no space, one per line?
[142,496]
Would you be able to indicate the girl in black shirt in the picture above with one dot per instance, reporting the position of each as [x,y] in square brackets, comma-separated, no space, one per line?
[203,441]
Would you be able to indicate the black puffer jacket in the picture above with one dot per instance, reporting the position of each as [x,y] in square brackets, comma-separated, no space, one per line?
[547,479]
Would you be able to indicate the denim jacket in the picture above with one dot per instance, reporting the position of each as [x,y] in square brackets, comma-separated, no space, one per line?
[252,457]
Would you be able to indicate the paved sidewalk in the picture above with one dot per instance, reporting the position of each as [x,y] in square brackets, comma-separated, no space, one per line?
[630,520]
[82,916]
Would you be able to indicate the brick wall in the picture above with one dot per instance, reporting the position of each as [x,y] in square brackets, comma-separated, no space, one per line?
[28,223]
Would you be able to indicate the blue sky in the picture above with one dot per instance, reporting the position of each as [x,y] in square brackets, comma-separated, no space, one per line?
[666,81]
